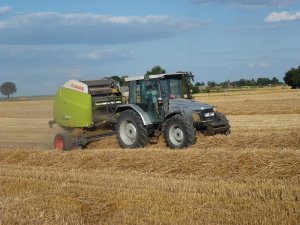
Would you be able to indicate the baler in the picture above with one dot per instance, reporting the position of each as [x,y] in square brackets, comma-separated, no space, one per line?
[83,109]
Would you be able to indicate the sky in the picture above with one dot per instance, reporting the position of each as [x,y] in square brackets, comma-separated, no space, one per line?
[43,44]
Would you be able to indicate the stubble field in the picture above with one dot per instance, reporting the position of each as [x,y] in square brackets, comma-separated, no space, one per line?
[249,177]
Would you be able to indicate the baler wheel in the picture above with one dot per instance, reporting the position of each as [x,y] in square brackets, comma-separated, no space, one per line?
[63,142]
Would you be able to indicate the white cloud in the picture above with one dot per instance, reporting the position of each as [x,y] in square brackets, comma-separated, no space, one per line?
[247,4]
[106,54]
[276,17]
[62,54]
[5,10]
[253,65]
[265,65]
[251,28]
[57,28]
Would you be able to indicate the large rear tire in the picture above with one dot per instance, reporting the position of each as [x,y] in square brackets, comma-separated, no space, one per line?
[131,131]
[63,142]
[179,133]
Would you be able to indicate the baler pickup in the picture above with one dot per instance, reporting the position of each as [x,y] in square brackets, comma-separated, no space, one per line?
[106,96]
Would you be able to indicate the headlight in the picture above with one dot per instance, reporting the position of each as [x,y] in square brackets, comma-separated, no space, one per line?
[196,117]
[209,114]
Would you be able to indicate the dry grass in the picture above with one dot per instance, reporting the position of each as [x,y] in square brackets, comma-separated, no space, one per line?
[150,186]
[26,109]
[250,177]
[255,102]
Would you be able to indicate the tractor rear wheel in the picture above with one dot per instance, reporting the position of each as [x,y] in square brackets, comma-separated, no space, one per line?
[131,131]
[179,133]
[63,142]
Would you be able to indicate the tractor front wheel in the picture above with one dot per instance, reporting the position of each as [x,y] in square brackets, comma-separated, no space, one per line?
[221,117]
[63,142]
[131,131]
[179,133]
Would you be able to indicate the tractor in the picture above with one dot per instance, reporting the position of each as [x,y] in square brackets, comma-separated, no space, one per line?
[155,106]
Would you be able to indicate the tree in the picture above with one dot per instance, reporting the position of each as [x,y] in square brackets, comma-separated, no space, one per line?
[211,84]
[275,80]
[198,84]
[252,82]
[263,81]
[121,80]
[242,82]
[188,87]
[292,78]
[156,70]
[8,88]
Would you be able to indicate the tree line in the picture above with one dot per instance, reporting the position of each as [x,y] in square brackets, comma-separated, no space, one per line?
[261,81]
[291,78]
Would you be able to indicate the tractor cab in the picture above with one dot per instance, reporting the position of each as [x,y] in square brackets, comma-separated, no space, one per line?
[152,92]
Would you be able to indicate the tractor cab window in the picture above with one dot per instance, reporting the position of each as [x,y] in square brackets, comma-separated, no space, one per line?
[175,88]
[144,93]
[171,88]
[150,91]
[135,92]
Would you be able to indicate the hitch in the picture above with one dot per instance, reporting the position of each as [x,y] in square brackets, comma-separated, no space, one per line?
[51,122]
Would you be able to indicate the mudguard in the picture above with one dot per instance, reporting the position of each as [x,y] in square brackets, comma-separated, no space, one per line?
[145,118]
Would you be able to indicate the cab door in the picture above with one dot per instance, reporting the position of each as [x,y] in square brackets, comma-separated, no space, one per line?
[145,95]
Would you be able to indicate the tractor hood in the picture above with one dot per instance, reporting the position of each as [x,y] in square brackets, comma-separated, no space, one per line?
[187,105]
